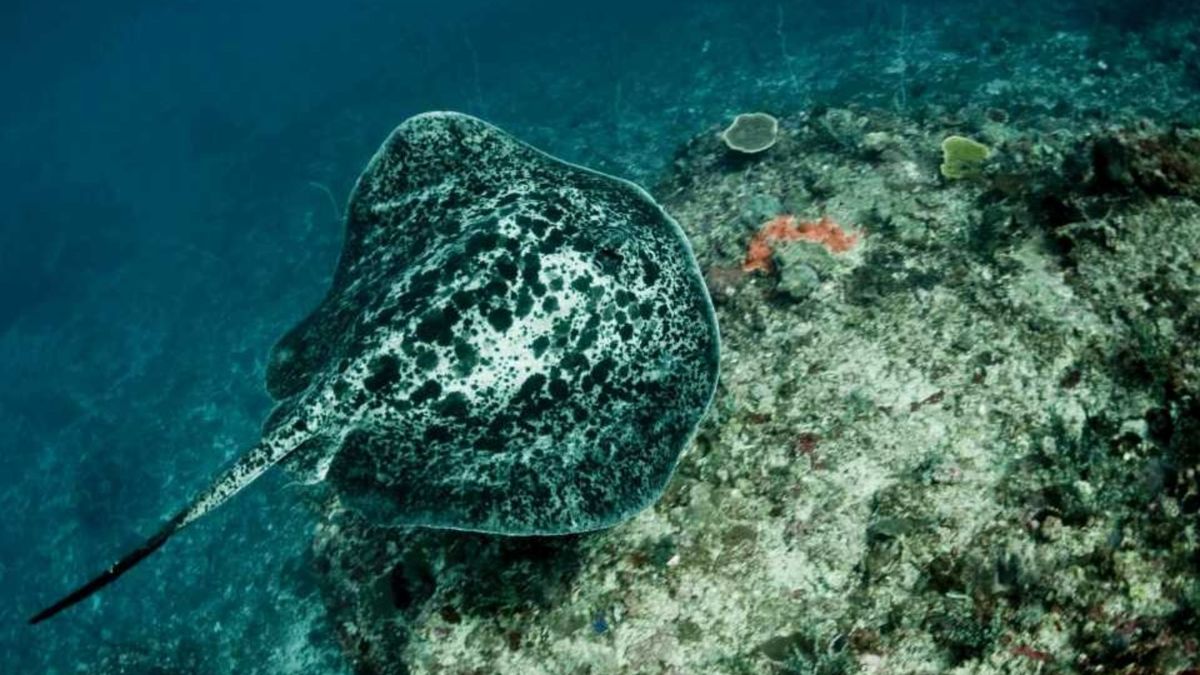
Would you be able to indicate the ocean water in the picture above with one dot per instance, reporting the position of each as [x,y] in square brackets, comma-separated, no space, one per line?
[173,177]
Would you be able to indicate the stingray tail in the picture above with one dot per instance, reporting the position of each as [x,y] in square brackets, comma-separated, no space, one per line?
[249,467]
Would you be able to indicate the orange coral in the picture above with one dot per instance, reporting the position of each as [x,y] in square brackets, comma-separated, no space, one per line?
[825,231]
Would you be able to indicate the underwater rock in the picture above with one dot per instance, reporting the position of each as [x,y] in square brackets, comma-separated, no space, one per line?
[760,208]
[847,130]
[385,588]
[1149,162]
[797,279]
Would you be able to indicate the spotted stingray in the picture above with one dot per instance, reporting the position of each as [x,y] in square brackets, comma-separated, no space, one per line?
[511,344]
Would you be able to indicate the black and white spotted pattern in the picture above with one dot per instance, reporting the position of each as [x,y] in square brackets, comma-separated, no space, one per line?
[512,344]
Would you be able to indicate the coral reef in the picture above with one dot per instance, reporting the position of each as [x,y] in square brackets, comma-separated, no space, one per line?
[963,157]
[751,133]
[967,444]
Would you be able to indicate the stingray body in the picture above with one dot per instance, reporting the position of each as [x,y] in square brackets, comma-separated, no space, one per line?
[511,344]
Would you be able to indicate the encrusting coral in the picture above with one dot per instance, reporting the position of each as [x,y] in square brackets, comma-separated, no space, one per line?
[963,157]
[785,227]
[751,133]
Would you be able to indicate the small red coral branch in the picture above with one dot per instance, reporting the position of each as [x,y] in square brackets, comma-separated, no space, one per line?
[825,231]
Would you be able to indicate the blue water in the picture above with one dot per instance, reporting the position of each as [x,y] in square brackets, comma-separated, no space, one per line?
[171,175]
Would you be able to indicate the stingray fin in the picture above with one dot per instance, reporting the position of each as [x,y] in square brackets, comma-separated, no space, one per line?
[247,468]
[110,575]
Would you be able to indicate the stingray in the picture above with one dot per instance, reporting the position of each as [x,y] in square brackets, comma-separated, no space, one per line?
[511,344]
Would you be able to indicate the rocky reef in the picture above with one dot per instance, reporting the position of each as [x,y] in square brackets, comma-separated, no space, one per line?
[956,429]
